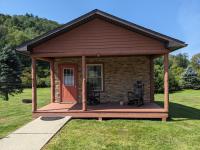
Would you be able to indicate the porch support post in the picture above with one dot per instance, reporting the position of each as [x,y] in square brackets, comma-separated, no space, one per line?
[166,84]
[84,105]
[34,85]
[52,81]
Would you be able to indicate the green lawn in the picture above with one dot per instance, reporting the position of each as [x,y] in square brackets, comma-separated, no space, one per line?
[181,132]
[14,113]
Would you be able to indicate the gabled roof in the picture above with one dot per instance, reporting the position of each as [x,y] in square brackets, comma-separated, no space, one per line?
[171,43]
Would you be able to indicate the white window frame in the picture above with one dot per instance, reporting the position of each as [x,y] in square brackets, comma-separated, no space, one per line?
[102,78]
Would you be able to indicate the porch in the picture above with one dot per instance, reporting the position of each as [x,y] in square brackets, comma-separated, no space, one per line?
[109,107]
[104,110]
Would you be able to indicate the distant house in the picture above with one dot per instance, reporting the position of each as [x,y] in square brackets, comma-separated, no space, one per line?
[105,52]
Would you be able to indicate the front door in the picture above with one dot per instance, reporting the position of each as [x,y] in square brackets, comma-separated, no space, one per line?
[68,82]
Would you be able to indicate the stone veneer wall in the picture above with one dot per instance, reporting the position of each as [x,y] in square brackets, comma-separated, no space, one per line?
[119,75]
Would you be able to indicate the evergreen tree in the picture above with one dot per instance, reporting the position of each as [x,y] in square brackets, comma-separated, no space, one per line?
[190,79]
[10,82]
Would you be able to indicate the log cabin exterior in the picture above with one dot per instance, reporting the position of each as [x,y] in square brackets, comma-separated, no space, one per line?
[119,51]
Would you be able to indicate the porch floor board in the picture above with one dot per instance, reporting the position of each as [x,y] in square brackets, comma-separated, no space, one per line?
[108,107]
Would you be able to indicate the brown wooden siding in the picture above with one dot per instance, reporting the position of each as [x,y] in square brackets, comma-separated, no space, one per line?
[99,37]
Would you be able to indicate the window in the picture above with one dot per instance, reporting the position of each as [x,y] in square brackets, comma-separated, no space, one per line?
[95,76]
[69,77]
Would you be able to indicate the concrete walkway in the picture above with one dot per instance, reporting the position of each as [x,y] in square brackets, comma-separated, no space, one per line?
[34,135]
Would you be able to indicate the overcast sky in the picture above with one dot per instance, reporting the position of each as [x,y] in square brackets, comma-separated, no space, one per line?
[177,18]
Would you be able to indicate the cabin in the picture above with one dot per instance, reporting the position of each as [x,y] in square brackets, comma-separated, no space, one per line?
[104,53]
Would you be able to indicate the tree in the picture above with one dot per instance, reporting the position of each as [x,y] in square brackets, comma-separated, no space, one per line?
[180,60]
[158,78]
[159,83]
[175,71]
[195,61]
[190,80]
[18,29]
[10,82]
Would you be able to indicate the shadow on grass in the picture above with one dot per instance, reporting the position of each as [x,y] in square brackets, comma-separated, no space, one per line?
[51,118]
[182,111]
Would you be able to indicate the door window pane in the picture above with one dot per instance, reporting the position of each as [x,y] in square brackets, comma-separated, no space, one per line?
[68,76]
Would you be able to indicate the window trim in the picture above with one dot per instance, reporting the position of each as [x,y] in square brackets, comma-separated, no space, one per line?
[102,75]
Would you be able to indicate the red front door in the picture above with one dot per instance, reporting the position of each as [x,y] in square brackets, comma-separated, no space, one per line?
[68,74]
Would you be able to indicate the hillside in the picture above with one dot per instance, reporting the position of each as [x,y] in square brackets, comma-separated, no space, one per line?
[17,29]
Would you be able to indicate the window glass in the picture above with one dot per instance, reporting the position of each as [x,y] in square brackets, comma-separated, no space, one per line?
[68,76]
[94,76]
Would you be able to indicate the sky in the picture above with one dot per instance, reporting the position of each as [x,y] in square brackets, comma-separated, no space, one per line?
[176,18]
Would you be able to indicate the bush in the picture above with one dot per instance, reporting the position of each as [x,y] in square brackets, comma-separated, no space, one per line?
[43,82]
[174,84]
[27,80]
[158,78]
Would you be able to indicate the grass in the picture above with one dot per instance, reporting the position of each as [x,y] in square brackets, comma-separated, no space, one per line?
[181,132]
[14,113]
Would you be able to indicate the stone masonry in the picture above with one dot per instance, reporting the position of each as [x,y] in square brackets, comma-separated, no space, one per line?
[119,74]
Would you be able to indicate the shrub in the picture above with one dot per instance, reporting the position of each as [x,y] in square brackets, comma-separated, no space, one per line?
[174,84]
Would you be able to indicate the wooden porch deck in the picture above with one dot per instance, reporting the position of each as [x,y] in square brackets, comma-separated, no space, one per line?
[107,110]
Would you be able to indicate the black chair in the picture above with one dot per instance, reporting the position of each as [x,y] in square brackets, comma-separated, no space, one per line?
[136,97]
[93,97]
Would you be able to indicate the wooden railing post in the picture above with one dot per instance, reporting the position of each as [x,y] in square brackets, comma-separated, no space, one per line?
[166,84]
[52,81]
[34,85]
[84,103]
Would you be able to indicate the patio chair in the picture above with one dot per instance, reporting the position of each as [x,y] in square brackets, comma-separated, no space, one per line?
[136,97]
[93,97]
